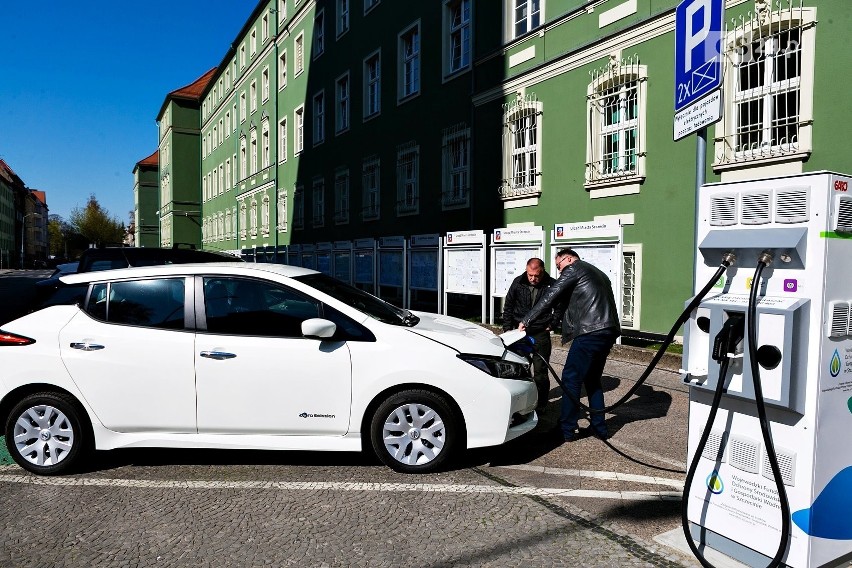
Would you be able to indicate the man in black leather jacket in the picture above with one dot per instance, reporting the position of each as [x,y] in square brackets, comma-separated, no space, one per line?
[525,291]
[591,323]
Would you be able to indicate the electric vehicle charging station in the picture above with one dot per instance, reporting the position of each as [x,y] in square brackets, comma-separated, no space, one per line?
[803,350]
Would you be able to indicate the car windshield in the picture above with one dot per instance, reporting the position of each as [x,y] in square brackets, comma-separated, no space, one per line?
[360,300]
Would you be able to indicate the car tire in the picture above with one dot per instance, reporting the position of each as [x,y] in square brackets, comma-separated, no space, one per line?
[415,431]
[45,433]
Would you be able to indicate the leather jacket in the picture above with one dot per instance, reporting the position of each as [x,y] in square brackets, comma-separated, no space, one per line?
[591,304]
[519,302]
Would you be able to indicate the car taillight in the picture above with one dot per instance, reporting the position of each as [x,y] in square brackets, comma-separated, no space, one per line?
[8,339]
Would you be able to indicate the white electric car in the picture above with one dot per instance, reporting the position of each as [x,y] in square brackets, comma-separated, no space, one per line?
[256,356]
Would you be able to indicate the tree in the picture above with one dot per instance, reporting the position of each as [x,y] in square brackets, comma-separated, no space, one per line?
[96,224]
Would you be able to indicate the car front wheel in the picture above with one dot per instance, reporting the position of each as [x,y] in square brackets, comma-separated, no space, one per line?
[44,433]
[415,431]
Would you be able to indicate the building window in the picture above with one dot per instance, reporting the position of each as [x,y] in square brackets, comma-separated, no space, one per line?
[265,145]
[370,4]
[228,173]
[341,112]
[253,95]
[253,42]
[319,34]
[299,207]
[631,277]
[253,218]
[299,130]
[221,179]
[299,49]
[253,151]
[264,216]
[318,202]
[243,112]
[409,62]
[342,17]
[282,140]
[264,84]
[227,123]
[372,85]
[282,11]
[264,27]
[234,181]
[341,197]
[521,148]
[243,162]
[407,166]
[370,189]
[242,56]
[616,128]
[768,81]
[282,69]
[457,22]
[455,191]
[319,118]
[526,16]
[243,220]
[281,209]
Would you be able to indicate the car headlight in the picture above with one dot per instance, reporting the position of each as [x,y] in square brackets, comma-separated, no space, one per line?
[498,367]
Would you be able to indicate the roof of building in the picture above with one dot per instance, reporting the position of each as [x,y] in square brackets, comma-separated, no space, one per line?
[151,161]
[191,92]
[40,195]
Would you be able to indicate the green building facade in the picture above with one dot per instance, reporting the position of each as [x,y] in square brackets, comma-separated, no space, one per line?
[146,189]
[334,120]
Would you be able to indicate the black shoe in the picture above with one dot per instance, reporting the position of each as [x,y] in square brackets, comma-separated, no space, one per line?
[573,436]
[603,436]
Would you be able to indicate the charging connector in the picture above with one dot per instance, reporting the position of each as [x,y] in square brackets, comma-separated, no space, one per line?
[729,339]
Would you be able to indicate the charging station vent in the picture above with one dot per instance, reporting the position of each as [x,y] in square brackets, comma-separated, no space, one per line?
[744,454]
[714,449]
[791,205]
[786,463]
[756,207]
[838,319]
[843,219]
[723,209]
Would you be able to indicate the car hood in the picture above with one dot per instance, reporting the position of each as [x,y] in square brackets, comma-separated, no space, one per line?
[461,335]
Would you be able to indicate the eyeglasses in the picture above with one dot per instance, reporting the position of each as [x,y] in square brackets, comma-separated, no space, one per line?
[560,261]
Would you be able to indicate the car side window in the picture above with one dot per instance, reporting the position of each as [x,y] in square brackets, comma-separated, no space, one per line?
[150,303]
[236,306]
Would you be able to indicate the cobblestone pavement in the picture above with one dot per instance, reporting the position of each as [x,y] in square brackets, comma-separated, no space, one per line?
[532,502]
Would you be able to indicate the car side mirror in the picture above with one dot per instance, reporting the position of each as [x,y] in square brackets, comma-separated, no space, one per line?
[318,328]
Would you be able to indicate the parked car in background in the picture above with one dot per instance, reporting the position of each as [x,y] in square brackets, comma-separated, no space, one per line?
[252,356]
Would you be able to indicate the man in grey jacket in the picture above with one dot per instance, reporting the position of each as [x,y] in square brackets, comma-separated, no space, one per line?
[591,323]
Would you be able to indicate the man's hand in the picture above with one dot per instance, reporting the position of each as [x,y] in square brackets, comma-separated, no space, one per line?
[521,326]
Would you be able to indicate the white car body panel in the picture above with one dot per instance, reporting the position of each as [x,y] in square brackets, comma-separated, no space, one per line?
[131,405]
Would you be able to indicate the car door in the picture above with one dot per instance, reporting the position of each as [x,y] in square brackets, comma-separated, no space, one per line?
[256,373]
[131,355]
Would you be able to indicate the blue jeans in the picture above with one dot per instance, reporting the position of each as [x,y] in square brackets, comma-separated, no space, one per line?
[584,365]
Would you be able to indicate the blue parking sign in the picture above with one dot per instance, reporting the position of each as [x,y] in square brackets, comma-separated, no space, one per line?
[698,53]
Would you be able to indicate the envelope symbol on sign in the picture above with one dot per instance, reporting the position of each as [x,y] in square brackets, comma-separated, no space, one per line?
[704,76]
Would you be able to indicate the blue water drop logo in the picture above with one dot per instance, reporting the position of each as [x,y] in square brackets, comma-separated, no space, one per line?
[834,366]
[715,483]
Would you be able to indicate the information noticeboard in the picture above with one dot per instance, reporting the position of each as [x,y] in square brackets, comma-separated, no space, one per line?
[464,275]
[391,268]
[324,262]
[364,271]
[424,270]
[343,266]
[509,263]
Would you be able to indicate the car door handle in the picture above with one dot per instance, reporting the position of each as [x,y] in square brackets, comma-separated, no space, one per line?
[218,355]
[86,346]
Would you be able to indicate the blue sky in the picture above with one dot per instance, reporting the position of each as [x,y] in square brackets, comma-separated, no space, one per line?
[81,84]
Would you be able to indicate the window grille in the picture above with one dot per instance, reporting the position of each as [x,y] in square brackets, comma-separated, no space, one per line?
[370,184]
[615,110]
[628,294]
[764,81]
[341,197]
[521,141]
[456,166]
[318,198]
[407,158]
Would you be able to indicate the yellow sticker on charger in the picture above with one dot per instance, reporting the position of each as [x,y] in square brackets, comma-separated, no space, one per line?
[748,282]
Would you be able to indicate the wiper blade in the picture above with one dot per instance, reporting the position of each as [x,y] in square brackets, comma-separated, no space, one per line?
[409,319]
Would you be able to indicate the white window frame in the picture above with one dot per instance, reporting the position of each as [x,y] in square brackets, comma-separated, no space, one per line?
[522,153]
[318,104]
[281,211]
[616,102]
[369,5]
[318,42]
[455,190]
[253,150]
[407,179]
[243,157]
[282,140]
[409,43]
[342,20]
[253,95]
[299,51]
[264,26]
[243,108]
[265,145]
[342,103]
[282,12]
[253,43]
[457,33]
[264,216]
[318,202]
[628,320]
[298,130]
[242,56]
[779,156]
[264,84]
[342,202]
[371,182]
[372,86]
[512,18]
[282,69]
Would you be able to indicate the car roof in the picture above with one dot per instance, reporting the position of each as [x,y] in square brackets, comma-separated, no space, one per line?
[228,268]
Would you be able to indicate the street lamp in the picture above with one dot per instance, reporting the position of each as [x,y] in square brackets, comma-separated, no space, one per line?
[23,227]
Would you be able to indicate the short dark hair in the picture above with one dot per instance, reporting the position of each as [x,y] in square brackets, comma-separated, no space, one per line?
[535,262]
[568,252]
